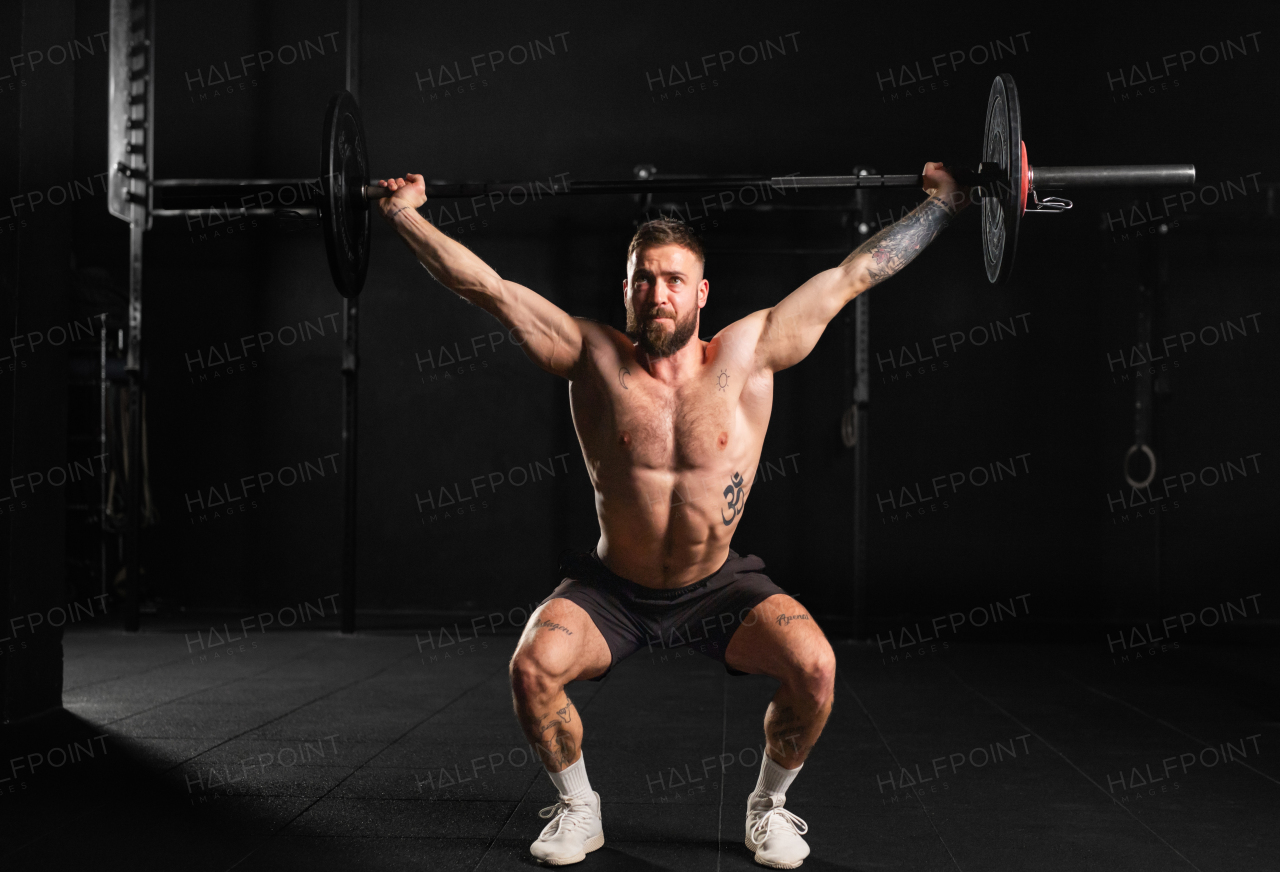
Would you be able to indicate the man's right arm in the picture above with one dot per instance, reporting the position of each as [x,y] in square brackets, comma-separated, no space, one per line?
[550,337]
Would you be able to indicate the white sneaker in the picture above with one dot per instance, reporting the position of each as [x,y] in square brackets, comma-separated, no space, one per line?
[576,829]
[773,833]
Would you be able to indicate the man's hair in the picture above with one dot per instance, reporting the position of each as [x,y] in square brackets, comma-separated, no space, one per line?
[666,231]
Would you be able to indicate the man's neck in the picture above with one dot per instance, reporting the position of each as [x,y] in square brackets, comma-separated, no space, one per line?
[677,368]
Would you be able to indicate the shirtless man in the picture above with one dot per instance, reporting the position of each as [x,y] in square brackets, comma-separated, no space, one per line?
[671,428]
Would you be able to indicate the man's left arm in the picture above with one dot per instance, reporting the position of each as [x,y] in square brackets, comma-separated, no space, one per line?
[793,327]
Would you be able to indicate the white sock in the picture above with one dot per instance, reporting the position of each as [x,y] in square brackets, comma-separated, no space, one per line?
[774,779]
[572,781]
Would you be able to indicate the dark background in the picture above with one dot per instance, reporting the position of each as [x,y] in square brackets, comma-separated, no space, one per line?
[594,110]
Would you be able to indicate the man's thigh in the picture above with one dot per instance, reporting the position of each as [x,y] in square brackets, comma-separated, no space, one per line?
[778,638]
[563,640]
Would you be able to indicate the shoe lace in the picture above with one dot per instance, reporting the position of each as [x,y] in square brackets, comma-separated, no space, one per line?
[782,818]
[562,816]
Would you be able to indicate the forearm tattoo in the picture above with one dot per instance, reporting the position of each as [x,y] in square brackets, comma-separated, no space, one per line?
[392,215]
[898,244]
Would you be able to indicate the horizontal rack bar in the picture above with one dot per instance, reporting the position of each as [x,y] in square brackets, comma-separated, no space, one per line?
[235,212]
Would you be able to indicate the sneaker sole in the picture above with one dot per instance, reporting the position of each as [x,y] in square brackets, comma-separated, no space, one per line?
[593,844]
[752,848]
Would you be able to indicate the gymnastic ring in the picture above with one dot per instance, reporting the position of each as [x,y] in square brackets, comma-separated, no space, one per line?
[849,427]
[1151,456]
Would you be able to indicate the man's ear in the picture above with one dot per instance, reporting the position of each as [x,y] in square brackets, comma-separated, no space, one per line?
[704,287]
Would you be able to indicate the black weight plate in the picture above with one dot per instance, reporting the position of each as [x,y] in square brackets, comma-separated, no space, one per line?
[344,211]
[1001,210]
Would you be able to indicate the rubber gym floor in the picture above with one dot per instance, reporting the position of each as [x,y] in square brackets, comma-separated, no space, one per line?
[394,750]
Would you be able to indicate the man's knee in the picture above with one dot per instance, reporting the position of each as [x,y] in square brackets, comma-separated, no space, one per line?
[815,675]
[532,675]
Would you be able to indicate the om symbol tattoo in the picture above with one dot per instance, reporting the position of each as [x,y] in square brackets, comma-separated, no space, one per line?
[733,493]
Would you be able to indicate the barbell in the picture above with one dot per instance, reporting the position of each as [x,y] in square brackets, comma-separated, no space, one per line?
[1007,185]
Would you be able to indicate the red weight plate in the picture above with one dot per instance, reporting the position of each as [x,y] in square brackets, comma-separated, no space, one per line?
[1026,172]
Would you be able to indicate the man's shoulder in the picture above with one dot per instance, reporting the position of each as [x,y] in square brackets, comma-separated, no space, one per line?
[751,323]
[604,347]
[740,338]
[598,333]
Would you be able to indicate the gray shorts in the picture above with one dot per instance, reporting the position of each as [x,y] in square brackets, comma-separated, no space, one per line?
[701,617]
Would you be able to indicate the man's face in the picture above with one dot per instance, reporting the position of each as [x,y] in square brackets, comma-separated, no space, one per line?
[663,295]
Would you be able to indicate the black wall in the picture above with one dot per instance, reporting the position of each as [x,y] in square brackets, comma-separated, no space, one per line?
[36,267]
[1044,396]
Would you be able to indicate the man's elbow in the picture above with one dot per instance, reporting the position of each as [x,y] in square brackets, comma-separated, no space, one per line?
[485,283]
[483,291]
[855,278]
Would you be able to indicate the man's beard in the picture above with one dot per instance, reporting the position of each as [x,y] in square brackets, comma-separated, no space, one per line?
[654,340]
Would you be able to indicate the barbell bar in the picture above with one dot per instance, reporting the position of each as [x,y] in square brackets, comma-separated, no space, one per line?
[203,194]
[1049,178]
[1005,183]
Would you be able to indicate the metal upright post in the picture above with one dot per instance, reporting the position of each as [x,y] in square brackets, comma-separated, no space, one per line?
[1153,275]
[130,159]
[861,420]
[103,387]
[350,334]
[862,468]
[133,462]
[350,376]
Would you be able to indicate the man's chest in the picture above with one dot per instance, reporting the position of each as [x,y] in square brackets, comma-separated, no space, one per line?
[704,423]
[667,428]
